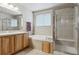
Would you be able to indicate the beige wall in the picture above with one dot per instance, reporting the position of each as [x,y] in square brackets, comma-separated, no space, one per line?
[45,30]
[27,16]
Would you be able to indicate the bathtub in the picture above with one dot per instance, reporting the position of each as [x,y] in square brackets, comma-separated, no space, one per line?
[38,42]
[42,37]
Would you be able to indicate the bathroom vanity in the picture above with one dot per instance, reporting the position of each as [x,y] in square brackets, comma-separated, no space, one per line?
[12,42]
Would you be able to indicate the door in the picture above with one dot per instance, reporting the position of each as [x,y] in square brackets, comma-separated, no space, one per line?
[65,29]
[18,42]
[5,45]
[64,23]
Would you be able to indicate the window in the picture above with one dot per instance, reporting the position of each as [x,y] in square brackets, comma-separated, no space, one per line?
[43,19]
[13,23]
[10,22]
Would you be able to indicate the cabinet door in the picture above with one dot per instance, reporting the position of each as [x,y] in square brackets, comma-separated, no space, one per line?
[18,42]
[11,44]
[5,45]
[46,47]
[26,41]
[0,46]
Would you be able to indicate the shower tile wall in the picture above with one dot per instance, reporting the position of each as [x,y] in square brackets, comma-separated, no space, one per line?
[65,23]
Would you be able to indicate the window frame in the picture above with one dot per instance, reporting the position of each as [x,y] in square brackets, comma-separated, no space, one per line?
[42,12]
[43,24]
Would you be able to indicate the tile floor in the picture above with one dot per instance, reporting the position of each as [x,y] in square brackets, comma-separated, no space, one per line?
[31,51]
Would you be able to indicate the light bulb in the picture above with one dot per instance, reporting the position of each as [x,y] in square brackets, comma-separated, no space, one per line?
[16,8]
[11,6]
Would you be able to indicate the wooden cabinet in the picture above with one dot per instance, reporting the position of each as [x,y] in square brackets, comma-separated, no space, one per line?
[11,44]
[46,47]
[0,46]
[25,41]
[18,42]
[5,45]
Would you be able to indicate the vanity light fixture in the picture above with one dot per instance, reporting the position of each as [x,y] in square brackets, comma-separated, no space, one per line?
[9,6]
[16,8]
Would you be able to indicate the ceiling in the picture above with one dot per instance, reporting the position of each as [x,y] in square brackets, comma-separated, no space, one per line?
[36,6]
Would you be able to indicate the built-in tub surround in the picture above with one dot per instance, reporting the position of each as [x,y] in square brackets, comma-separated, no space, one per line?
[42,42]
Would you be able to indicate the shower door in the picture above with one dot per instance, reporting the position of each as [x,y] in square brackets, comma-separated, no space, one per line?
[64,29]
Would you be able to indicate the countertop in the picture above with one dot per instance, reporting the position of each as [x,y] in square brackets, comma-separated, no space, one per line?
[6,33]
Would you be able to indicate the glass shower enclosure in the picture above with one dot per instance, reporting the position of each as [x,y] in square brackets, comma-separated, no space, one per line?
[65,30]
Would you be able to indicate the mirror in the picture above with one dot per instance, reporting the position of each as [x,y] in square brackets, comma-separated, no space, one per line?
[12,23]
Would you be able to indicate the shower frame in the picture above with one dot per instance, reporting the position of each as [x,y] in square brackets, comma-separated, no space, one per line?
[76,38]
